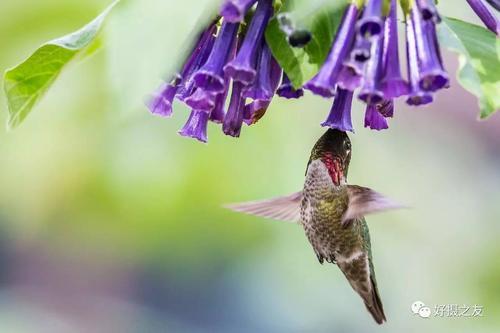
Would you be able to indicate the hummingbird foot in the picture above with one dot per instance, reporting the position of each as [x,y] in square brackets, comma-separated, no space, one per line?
[320,258]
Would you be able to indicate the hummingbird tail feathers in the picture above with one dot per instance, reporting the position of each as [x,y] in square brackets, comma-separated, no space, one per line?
[374,304]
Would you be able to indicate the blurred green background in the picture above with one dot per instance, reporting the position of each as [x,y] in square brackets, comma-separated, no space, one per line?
[111,222]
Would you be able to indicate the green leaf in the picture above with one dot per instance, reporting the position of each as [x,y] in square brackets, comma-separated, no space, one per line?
[323,29]
[294,61]
[27,83]
[322,19]
[479,60]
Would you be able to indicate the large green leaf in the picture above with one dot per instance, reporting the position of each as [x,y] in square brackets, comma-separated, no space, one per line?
[28,82]
[294,61]
[479,60]
[321,18]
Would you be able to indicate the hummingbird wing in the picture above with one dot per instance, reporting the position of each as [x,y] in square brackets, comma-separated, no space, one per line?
[285,208]
[364,201]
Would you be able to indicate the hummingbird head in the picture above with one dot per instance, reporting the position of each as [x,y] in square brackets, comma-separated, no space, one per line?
[334,150]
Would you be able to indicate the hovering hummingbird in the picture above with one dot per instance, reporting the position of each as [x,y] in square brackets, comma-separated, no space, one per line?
[332,214]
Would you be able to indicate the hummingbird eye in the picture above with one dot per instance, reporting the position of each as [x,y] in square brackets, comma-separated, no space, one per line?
[347,146]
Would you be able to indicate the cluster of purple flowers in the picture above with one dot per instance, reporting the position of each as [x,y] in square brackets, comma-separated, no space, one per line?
[365,56]
[231,61]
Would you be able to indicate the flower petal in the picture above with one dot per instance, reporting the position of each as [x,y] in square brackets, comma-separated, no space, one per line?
[287,90]
[374,120]
[196,126]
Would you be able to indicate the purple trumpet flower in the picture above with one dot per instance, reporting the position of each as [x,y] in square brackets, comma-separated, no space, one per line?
[324,82]
[374,120]
[242,68]
[489,19]
[196,126]
[217,113]
[351,75]
[393,84]
[371,22]
[370,92]
[234,116]
[361,50]
[258,107]
[234,10]
[356,67]
[262,88]
[194,60]
[255,110]
[210,76]
[197,58]
[432,75]
[429,10]
[201,100]
[386,108]
[161,102]
[340,114]
[417,96]
[287,90]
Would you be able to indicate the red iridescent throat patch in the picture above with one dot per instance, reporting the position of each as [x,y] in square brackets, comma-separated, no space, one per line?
[334,166]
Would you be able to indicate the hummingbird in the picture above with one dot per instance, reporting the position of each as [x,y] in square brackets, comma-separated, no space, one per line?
[332,215]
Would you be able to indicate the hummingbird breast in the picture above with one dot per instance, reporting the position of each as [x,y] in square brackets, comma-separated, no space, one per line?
[322,207]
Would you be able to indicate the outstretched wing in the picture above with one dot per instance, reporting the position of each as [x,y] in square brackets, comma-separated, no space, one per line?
[283,208]
[364,201]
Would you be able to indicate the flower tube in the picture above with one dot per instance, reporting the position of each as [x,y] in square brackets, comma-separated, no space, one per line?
[340,113]
[489,19]
[160,103]
[287,90]
[370,92]
[234,116]
[197,58]
[242,68]
[429,10]
[324,82]
[258,107]
[262,86]
[374,120]
[234,10]
[393,84]
[432,75]
[201,100]
[196,126]
[210,76]
[417,96]
[371,22]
